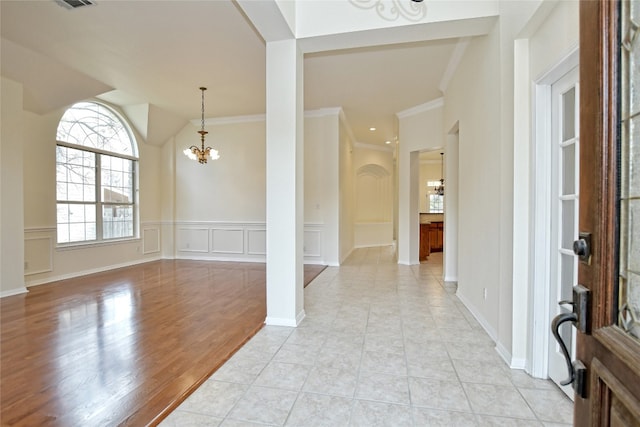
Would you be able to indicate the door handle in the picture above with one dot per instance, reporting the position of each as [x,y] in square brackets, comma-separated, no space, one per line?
[555,325]
[579,318]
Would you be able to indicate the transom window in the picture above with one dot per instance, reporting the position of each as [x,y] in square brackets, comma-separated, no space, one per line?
[96,162]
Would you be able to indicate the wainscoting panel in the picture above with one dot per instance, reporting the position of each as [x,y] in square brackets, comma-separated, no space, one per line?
[312,243]
[193,239]
[227,241]
[257,242]
[238,241]
[38,255]
[150,240]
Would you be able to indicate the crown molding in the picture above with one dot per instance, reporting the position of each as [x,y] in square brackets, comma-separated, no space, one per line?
[431,105]
[323,112]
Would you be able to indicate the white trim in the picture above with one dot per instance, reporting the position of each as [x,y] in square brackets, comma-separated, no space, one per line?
[300,317]
[213,121]
[483,322]
[42,229]
[91,271]
[508,357]
[422,108]
[540,235]
[50,266]
[212,231]
[453,279]
[454,61]
[281,321]
[93,244]
[248,239]
[11,292]
[144,246]
[324,112]
[231,258]
[216,121]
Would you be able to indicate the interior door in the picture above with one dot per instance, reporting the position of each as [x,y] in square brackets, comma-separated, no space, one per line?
[610,212]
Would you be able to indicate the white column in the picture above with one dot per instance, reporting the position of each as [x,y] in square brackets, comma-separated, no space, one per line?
[285,160]
[408,208]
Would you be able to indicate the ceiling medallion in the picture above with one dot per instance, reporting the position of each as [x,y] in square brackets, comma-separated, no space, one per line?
[392,10]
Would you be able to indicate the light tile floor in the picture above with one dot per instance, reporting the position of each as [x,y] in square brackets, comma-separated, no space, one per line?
[381,345]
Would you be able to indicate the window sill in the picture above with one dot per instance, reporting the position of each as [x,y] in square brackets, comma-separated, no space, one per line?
[86,245]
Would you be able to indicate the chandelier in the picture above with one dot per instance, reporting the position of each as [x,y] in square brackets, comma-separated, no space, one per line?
[439,190]
[200,153]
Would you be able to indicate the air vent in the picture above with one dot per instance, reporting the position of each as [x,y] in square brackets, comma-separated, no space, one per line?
[74,4]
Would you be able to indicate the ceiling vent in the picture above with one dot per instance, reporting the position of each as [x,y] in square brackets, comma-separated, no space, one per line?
[74,4]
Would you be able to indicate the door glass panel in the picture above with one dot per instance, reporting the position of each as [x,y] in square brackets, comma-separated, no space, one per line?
[568,224]
[629,172]
[569,169]
[569,114]
[567,276]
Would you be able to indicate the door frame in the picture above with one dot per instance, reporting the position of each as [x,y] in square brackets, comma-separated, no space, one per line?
[540,232]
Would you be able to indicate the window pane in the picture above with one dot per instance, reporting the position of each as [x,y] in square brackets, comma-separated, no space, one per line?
[436,203]
[117,221]
[117,180]
[96,126]
[569,169]
[63,233]
[569,114]
[568,223]
[76,222]
[76,178]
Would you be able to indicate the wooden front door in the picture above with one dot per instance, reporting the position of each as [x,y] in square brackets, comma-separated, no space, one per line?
[610,212]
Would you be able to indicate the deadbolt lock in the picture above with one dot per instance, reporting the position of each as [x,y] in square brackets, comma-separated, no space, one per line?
[582,247]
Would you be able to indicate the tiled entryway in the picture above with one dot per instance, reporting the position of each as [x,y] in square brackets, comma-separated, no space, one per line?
[382,345]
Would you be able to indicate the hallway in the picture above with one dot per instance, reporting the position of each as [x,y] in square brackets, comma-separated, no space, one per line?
[382,344]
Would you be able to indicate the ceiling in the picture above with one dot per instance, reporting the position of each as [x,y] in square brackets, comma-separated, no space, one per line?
[154,55]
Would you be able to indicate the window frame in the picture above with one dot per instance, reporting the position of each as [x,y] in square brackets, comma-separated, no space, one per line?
[99,201]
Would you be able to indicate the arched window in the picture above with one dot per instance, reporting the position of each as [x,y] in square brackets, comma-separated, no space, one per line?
[96,163]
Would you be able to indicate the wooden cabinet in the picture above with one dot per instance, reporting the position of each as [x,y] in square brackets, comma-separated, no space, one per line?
[436,236]
[425,240]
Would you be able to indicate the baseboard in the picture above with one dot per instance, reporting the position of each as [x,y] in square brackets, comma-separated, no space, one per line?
[11,292]
[508,358]
[91,271]
[451,279]
[280,321]
[300,317]
[483,322]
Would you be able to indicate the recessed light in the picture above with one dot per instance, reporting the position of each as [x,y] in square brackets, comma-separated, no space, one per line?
[372,129]
[387,142]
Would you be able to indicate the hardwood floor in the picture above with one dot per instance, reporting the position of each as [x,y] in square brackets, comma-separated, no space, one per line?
[123,347]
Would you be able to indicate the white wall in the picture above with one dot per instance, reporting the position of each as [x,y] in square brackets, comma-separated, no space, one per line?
[321,184]
[220,206]
[319,18]
[230,189]
[546,39]
[422,130]
[472,99]
[11,189]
